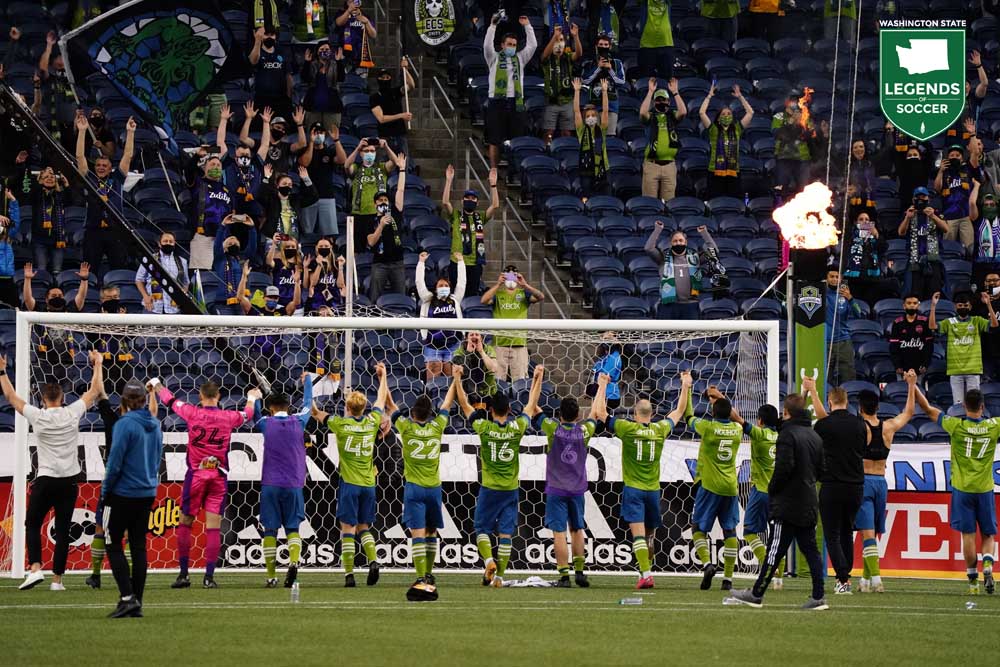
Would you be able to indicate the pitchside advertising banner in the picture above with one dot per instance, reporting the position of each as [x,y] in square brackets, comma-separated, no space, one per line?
[922,74]
[917,542]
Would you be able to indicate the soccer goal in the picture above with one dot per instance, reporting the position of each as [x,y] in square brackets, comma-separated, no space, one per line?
[645,358]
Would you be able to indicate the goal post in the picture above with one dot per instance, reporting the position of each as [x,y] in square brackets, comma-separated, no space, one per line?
[741,357]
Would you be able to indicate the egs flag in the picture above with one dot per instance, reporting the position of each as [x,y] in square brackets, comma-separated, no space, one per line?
[922,77]
[430,24]
[163,56]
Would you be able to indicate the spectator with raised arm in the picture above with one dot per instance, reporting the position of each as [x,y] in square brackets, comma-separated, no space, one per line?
[591,131]
[272,74]
[284,261]
[478,359]
[468,228]
[245,172]
[55,298]
[231,296]
[154,300]
[911,341]
[724,134]
[212,202]
[367,179]
[505,113]
[327,287]
[442,303]
[58,96]
[510,297]
[656,40]
[605,67]
[659,167]
[323,161]
[388,107]
[841,307]
[49,196]
[281,207]
[386,242]
[963,335]
[923,230]
[357,32]
[321,73]
[279,153]
[954,182]
[558,60]
[794,141]
[681,273]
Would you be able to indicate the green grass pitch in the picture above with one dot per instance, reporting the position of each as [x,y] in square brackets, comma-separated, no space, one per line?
[916,622]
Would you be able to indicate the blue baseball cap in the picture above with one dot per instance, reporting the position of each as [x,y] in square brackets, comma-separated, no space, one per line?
[921,191]
[471,193]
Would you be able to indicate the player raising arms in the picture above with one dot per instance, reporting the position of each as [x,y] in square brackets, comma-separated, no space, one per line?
[871,515]
[973,447]
[566,472]
[642,446]
[499,451]
[283,475]
[356,434]
[420,434]
[717,497]
[205,483]
[763,440]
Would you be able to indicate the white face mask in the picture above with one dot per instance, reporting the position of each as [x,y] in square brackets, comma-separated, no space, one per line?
[559,47]
[591,121]
[510,284]
[443,292]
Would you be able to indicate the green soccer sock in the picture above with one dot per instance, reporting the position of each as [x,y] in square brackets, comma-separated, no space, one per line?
[97,554]
[730,549]
[869,550]
[701,547]
[503,555]
[640,549]
[759,550]
[431,545]
[578,563]
[294,548]
[419,549]
[865,572]
[347,548]
[485,547]
[987,564]
[270,550]
[368,544]
[563,570]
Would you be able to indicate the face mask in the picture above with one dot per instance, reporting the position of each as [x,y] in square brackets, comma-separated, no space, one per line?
[510,284]
[591,121]
[243,161]
[912,157]
[97,121]
[382,209]
[167,248]
[323,252]
[291,253]
[277,133]
[963,312]
[509,51]
[233,251]
[661,107]
[604,51]
[268,42]
[990,211]
[384,84]
[215,173]
[559,47]
[111,306]
[271,304]
[285,190]
[319,139]
[368,159]
[678,248]
[910,311]
[921,204]
[443,292]
[468,205]
[56,303]
[726,121]
[325,55]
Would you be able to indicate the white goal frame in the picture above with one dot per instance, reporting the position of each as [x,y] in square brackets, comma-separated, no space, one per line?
[25,320]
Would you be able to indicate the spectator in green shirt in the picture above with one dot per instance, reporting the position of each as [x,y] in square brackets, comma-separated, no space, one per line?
[963,350]
[721,16]
[557,72]
[656,40]
[510,297]
[479,364]
[659,171]
[468,228]
[592,133]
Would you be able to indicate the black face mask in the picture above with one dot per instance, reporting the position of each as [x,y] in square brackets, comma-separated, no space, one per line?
[384,84]
[97,121]
[910,311]
[268,42]
[963,312]
[291,253]
[679,249]
[233,251]
[323,252]
[111,306]
[285,190]
[56,304]
[167,249]
[662,107]
[921,204]
[469,206]
[277,133]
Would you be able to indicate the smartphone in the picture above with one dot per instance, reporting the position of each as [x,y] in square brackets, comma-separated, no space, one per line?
[239,217]
[715,83]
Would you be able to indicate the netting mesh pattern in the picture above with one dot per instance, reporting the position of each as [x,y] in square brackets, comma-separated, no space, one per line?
[274,357]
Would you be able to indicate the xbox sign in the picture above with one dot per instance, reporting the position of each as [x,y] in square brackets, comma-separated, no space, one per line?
[922,75]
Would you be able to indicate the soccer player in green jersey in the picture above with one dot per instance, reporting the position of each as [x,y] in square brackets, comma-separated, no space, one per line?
[356,433]
[642,445]
[763,438]
[500,436]
[420,435]
[973,447]
[717,495]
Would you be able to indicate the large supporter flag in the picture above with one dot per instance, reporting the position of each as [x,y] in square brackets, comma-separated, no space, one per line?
[163,56]
[430,24]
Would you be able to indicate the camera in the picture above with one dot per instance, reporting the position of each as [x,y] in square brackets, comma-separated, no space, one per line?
[713,269]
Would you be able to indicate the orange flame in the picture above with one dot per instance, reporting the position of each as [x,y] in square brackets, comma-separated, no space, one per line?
[805,222]
[804,102]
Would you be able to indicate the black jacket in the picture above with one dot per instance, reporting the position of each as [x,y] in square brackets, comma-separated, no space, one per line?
[844,438]
[798,464]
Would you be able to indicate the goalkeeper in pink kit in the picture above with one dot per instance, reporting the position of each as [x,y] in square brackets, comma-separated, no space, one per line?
[205,483]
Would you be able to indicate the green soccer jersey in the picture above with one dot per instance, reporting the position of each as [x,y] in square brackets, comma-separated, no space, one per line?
[356,443]
[964,348]
[973,446]
[422,449]
[762,443]
[499,448]
[642,446]
[717,454]
[509,305]
[549,427]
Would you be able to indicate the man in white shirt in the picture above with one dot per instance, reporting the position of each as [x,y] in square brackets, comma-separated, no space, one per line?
[505,112]
[57,432]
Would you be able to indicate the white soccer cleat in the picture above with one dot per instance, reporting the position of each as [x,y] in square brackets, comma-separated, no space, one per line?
[777,584]
[497,582]
[31,580]
[55,586]
[865,586]
[878,588]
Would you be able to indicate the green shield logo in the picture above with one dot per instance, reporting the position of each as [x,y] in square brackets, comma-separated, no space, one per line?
[922,79]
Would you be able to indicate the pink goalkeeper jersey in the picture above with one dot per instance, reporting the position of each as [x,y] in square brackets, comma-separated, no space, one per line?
[209,431]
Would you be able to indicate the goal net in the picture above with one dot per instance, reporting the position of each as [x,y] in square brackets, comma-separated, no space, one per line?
[740,357]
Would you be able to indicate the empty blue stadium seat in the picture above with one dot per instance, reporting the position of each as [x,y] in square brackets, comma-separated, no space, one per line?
[628,308]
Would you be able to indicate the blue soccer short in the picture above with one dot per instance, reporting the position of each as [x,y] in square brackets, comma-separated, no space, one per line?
[757,513]
[640,506]
[710,506]
[281,508]
[496,512]
[422,507]
[444,355]
[563,510]
[871,514]
[355,504]
[970,509]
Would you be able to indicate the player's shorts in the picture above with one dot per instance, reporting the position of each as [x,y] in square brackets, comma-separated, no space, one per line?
[444,355]
[282,508]
[560,510]
[355,504]
[756,513]
[422,507]
[710,506]
[871,514]
[203,488]
[970,509]
[640,506]
[496,511]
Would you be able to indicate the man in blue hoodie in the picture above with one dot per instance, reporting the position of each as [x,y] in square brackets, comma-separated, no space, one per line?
[130,480]
[840,309]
